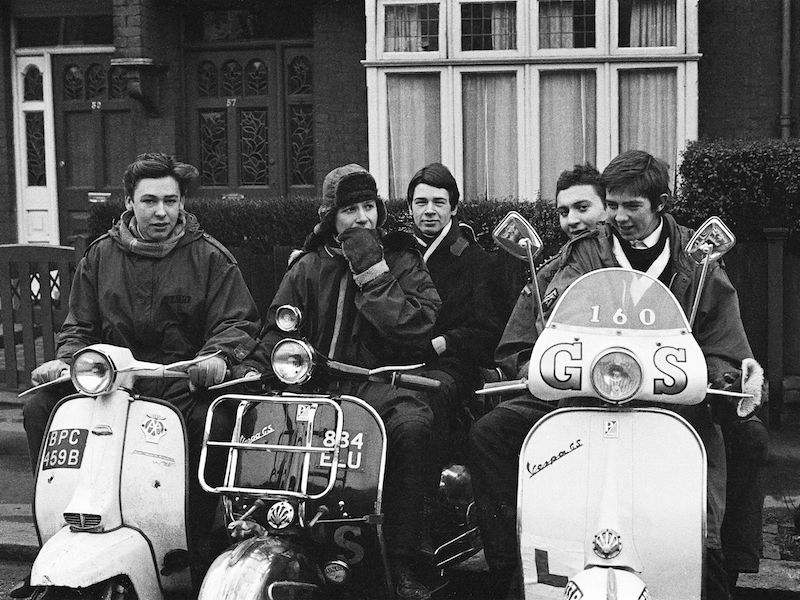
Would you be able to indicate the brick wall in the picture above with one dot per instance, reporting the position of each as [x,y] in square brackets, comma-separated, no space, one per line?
[739,87]
[340,85]
[151,29]
[8,198]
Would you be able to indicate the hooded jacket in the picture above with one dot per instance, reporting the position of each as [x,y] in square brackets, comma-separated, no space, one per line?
[192,302]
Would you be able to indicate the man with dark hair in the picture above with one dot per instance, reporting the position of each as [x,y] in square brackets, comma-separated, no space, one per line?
[641,235]
[160,286]
[466,329]
[367,300]
[496,439]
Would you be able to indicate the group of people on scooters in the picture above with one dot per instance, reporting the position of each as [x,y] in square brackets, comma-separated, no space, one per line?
[157,284]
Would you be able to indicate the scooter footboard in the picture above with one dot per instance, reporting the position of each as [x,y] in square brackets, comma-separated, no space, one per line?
[80,559]
[636,478]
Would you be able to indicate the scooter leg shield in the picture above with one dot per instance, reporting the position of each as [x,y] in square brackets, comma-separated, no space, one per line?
[80,559]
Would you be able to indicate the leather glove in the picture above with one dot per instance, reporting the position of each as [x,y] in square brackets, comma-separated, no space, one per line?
[207,372]
[361,247]
[752,383]
[48,371]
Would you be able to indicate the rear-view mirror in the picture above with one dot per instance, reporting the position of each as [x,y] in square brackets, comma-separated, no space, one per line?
[514,235]
[712,239]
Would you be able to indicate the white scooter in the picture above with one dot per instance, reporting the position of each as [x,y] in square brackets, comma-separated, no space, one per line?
[612,497]
[110,499]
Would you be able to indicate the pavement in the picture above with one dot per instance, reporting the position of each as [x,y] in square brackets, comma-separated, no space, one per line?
[778,576]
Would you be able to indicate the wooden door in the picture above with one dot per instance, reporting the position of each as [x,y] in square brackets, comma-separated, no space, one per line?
[232,119]
[95,137]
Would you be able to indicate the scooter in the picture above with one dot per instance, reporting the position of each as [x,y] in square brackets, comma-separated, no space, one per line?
[612,496]
[110,497]
[304,484]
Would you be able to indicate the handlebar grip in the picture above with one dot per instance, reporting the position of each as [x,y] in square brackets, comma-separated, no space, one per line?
[416,382]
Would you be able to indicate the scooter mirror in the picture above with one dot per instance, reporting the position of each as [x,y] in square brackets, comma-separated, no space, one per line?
[713,238]
[513,234]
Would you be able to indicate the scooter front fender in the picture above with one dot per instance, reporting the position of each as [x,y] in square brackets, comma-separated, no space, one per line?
[246,571]
[80,559]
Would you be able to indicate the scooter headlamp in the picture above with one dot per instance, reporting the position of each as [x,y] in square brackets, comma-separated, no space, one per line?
[616,375]
[288,318]
[92,372]
[292,361]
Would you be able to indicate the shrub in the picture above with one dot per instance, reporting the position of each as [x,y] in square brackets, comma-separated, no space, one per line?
[257,224]
[749,184]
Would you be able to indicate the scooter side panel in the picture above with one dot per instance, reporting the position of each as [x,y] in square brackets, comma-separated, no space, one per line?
[638,472]
[154,482]
[80,559]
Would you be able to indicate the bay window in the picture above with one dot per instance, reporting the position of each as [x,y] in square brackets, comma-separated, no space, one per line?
[508,94]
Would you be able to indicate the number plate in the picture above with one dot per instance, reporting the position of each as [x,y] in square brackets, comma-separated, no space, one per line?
[64,449]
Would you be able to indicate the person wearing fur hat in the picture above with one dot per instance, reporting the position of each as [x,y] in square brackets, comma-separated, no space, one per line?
[367,299]
[467,328]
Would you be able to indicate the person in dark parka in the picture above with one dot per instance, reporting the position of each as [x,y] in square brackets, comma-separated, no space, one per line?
[367,299]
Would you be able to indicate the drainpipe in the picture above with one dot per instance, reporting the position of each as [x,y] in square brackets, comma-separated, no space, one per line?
[786,62]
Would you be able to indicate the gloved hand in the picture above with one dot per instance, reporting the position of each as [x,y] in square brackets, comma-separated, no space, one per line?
[48,371]
[361,247]
[207,372]
[752,383]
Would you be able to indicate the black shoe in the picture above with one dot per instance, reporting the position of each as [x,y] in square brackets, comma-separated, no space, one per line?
[407,585]
[23,589]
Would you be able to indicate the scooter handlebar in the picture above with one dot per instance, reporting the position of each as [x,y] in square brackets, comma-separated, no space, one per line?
[416,382]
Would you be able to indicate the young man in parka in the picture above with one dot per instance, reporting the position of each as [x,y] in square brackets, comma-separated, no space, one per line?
[368,300]
[495,440]
[640,234]
[160,286]
[467,329]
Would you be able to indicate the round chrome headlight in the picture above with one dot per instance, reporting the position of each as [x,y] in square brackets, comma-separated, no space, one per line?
[292,361]
[616,375]
[288,318]
[92,372]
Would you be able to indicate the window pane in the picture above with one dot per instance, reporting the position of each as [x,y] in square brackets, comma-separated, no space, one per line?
[412,28]
[414,127]
[489,26]
[648,112]
[567,124]
[38,31]
[489,105]
[566,23]
[644,23]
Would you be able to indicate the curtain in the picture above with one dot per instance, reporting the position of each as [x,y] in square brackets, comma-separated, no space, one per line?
[489,106]
[567,124]
[504,26]
[414,127]
[555,24]
[653,23]
[648,108]
[402,29]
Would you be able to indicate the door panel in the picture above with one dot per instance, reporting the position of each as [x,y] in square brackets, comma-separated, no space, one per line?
[95,137]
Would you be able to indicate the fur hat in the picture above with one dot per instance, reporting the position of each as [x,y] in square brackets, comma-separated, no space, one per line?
[344,186]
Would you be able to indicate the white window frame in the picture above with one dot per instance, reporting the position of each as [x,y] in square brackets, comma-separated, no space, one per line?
[600,35]
[454,41]
[529,62]
[681,21]
[380,32]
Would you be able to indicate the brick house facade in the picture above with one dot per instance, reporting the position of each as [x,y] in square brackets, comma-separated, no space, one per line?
[312,113]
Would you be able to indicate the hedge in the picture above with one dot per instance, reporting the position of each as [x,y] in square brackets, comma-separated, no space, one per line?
[751,185]
[257,224]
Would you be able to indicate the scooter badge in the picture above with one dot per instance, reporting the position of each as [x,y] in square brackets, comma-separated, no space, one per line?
[280,515]
[607,543]
[154,429]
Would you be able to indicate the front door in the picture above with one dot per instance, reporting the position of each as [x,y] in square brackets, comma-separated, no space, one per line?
[95,137]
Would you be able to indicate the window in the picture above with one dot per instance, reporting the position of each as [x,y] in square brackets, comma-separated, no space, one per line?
[89,30]
[509,94]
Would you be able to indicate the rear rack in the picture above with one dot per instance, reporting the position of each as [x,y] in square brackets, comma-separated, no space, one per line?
[308,450]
